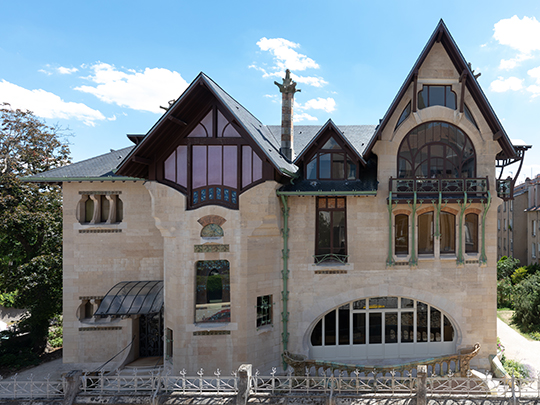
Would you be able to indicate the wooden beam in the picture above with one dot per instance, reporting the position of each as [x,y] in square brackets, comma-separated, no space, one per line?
[140,159]
[498,135]
[176,120]
[439,36]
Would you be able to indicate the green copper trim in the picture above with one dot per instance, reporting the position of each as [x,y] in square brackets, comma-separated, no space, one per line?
[462,206]
[285,276]
[325,193]
[67,179]
[292,175]
[483,256]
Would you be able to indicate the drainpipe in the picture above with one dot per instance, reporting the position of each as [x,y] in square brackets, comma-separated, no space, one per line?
[285,277]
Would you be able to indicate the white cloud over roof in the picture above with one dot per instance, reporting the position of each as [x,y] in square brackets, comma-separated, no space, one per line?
[139,90]
[325,104]
[66,71]
[521,34]
[47,105]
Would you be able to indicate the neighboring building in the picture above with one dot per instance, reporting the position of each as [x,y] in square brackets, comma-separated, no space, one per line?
[204,243]
[519,224]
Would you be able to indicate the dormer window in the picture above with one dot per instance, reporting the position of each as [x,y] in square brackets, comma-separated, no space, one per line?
[331,162]
[432,95]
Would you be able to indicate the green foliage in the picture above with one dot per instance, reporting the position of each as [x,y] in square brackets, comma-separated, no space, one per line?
[506,266]
[30,220]
[16,351]
[8,299]
[55,338]
[519,275]
[514,367]
[534,335]
[505,294]
[527,304]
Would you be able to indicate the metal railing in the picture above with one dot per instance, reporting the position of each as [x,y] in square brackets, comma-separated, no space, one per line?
[15,387]
[448,188]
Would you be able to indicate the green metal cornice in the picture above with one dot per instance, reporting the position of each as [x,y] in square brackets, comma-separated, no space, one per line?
[285,276]
[325,193]
[483,257]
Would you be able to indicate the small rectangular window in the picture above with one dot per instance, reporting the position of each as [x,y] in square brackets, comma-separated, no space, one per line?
[331,238]
[264,310]
[533,250]
[534,228]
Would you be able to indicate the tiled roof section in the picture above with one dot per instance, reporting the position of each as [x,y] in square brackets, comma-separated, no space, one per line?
[357,135]
[260,133]
[99,167]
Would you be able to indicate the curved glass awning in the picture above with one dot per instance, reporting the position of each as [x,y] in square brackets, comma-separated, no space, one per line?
[132,298]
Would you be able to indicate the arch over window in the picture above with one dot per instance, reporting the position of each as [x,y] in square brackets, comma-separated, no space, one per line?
[436,150]
[382,327]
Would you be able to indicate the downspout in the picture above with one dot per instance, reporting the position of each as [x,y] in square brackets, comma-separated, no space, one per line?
[285,277]
[483,257]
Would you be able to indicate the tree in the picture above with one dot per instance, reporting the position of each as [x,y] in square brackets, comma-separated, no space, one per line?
[31,219]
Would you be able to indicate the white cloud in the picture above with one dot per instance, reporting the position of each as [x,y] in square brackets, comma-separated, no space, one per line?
[325,104]
[286,57]
[284,54]
[143,91]
[523,35]
[303,116]
[501,85]
[66,71]
[47,105]
[534,88]
[45,71]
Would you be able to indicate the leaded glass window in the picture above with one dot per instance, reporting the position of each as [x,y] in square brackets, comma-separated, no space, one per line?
[331,238]
[331,162]
[436,150]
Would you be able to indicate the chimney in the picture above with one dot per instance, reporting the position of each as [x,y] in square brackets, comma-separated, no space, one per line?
[287,89]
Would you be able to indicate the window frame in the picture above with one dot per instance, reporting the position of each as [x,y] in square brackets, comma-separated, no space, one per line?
[407,235]
[315,156]
[330,256]
[264,316]
[427,103]
[203,268]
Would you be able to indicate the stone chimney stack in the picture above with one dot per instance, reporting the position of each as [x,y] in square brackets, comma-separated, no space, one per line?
[287,89]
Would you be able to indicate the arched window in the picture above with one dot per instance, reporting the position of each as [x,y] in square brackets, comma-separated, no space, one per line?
[471,233]
[436,150]
[425,233]
[448,232]
[402,234]
[392,327]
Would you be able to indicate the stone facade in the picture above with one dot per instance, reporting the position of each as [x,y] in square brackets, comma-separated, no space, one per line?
[160,237]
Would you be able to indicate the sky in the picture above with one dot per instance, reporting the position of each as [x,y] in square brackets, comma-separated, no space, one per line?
[102,69]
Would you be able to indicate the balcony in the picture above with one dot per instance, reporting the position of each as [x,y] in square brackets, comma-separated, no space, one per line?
[450,189]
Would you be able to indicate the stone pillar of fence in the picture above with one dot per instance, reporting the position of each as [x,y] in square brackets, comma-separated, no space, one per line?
[72,384]
[421,391]
[244,384]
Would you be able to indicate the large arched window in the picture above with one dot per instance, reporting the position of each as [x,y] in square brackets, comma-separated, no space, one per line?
[382,327]
[436,150]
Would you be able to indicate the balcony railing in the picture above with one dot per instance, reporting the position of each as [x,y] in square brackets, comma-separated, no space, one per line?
[476,188]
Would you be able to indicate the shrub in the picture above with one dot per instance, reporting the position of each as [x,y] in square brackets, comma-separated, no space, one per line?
[519,275]
[54,339]
[519,370]
[506,266]
[505,294]
[527,306]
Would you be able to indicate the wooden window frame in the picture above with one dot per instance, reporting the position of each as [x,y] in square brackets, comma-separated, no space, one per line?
[344,151]
[330,256]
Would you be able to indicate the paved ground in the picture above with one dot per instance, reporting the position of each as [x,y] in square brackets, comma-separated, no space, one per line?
[517,347]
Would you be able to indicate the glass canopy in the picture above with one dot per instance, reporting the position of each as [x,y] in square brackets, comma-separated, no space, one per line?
[132,298]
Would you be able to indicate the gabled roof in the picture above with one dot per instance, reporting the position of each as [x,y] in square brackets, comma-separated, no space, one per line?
[258,132]
[358,136]
[442,35]
[94,169]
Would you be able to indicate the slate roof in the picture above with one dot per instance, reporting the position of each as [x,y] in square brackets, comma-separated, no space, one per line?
[96,168]
[357,135]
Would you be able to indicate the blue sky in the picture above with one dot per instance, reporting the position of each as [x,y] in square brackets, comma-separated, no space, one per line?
[103,68]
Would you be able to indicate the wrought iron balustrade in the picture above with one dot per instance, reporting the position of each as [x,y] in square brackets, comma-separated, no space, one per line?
[505,188]
[448,188]
[331,258]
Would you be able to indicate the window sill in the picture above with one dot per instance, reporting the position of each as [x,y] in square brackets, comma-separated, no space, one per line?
[265,329]
[330,265]
[208,326]
[448,256]
[426,257]
[100,226]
